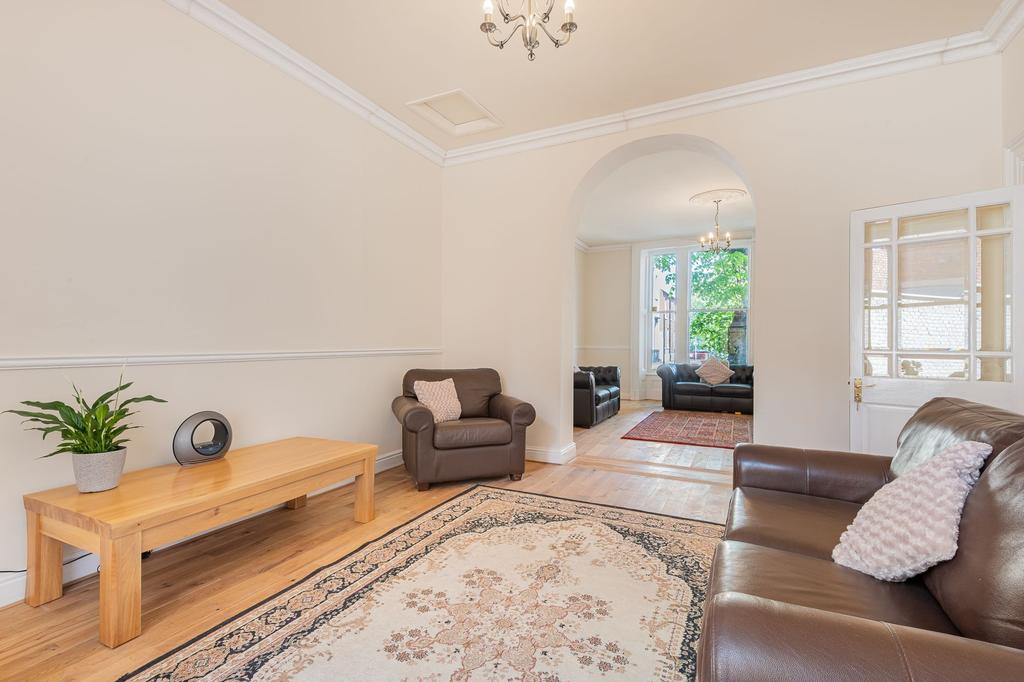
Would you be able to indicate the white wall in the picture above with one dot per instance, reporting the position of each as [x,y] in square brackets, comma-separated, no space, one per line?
[604,301]
[579,309]
[163,191]
[1013,91]
[809,160]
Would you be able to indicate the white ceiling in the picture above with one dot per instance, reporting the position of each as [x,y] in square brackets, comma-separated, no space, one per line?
[625,54]
[649,199]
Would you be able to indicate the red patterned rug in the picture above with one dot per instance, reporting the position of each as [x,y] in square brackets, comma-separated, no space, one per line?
[709,429]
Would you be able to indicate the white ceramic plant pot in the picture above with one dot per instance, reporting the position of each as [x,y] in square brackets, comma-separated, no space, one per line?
[99,471]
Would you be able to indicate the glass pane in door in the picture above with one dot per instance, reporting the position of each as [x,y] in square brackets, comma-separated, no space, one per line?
[994,293]
[932,296]
[994,369]
[916,367]
[993,217]
[877,366]
[877,231]
[934,224]
[876,298]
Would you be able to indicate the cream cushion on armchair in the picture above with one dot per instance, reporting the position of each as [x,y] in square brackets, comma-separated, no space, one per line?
[440,398]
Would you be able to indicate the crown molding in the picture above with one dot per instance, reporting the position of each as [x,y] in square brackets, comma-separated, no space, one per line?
[202,358]
[605,248]
[600,248]
[1001,28]
[892,62]
[1006,23]
[219,17]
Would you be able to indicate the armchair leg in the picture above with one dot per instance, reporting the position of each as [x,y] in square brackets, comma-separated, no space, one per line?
[422,487]
[516,477]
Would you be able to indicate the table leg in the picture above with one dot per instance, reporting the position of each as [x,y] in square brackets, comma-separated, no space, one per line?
[364,492]
[120,589]
[297,503]
[44,579]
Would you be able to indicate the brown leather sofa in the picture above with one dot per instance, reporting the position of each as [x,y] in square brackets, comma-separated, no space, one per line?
[682,389]
[489,440]
[778,607]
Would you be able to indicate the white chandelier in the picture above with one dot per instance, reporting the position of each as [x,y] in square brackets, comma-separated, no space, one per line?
[714,242]
[529,22]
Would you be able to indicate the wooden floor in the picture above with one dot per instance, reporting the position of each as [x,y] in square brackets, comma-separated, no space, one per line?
[189,588]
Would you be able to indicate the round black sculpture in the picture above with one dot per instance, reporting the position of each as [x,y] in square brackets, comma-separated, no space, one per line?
[188,451]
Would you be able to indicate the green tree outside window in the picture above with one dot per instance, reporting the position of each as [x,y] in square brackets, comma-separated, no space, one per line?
[719,289]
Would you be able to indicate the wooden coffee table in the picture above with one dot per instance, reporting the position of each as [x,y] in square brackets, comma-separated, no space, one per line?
[154,507]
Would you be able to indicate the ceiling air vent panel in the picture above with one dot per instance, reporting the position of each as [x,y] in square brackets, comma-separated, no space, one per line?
[456,113]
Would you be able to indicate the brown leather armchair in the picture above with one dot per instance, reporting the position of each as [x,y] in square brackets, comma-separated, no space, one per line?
[488,440]
[778,608]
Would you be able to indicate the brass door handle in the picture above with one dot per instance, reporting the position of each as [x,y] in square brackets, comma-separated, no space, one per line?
[858,389]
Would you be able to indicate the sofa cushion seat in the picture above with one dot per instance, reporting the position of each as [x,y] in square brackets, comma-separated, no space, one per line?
[822,584]
[613,391]
[472,432]
[733,391]
[797,523]
[691,388]
[602,395]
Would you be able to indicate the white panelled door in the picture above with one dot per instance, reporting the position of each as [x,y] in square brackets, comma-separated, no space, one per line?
[936,294]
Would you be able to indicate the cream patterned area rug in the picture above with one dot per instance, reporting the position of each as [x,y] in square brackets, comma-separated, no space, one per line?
[492,585]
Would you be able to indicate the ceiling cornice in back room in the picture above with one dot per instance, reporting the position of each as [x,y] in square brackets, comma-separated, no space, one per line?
[1004,24]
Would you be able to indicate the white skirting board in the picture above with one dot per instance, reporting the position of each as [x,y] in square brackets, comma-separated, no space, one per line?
[12,586]
[562,455]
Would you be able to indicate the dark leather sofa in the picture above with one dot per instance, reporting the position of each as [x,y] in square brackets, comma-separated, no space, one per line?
[595,395]
[488,440]
[779,608]
[682,389]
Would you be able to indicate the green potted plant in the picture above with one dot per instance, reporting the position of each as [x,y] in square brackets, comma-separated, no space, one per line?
[92,432]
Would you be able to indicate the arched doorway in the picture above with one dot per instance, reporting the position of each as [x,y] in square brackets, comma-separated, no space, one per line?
[640,298]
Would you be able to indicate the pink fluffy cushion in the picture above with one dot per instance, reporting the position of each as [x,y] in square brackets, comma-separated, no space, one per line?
[913,523]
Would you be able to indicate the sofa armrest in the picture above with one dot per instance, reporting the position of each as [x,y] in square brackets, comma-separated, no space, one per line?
[584,379]
[412,414]
[751,638]
[849,476]
[516,412]
[669,372]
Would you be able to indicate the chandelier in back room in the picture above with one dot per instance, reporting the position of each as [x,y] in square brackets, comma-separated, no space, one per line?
[714,241]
